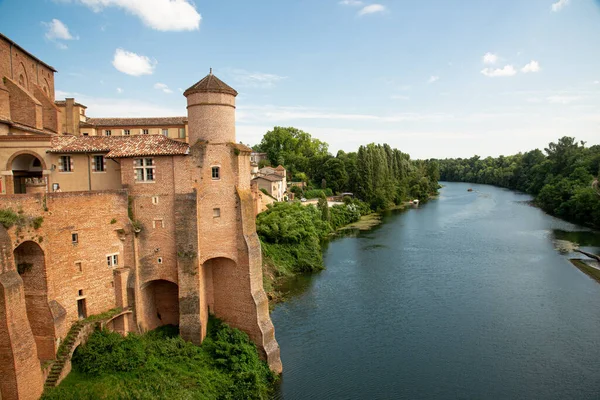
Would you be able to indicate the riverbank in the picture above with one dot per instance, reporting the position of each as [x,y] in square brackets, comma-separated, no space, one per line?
[587,269]
[160,364]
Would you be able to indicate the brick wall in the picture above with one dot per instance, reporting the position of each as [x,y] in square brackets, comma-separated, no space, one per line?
[24,108]
[49,110]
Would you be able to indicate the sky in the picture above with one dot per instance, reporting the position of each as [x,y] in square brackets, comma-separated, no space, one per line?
[433,78]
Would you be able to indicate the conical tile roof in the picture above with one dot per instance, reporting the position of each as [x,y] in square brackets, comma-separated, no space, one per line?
[210,84]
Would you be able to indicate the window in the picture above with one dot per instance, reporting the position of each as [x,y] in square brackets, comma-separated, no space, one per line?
[154,199]
[144,169]
[165,132]
[112,260]
[159,260]
[126,132]
[216,212]
[86,134]
[75,238]
[107,132]
[65,164]
[98,164]
[79,266]
[145,131]
[158,223]
[181,133]
[36,163]
[216,173]
[80,292]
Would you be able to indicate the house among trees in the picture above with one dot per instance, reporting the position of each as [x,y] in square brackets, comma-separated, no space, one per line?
[273,181]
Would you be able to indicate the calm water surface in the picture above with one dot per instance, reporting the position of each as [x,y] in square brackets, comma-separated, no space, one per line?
[462,298]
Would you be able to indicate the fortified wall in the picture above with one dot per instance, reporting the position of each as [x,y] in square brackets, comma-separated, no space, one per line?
[160,227]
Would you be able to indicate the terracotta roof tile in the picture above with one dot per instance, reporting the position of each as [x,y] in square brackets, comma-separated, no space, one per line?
[270,177]
[119,146]
[210,84]
[141,122]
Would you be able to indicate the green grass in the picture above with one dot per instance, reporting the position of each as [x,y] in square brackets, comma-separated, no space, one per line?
[161,365]
[590,271]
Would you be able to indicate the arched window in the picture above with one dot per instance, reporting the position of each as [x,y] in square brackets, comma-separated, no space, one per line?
[22,80]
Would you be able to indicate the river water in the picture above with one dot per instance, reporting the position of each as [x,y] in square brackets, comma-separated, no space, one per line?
[465,297]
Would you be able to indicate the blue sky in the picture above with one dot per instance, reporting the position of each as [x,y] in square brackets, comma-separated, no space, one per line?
[434,78]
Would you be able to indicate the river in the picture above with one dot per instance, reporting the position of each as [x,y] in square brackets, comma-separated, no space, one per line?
[465,297]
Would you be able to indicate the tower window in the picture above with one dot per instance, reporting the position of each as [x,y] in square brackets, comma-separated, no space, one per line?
[75,238]
[112,260]
[216,212]
[216,173]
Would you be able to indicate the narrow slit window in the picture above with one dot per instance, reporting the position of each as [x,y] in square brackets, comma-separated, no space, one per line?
[75,238]
[216,173]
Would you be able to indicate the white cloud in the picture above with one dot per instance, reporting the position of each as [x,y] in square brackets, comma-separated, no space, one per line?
[596,82]
[533,66]
[58,30]
[433,79]
[507,70]
[133,64]
[162,15]
[353,3]
[119,90]
[254,79]
[163,87]
[372,9]
[490,58]
[559,5]
[399,97]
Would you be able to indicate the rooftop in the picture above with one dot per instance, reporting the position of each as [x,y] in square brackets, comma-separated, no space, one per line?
[270,177]
[119,146]
[141,121]
[210,84]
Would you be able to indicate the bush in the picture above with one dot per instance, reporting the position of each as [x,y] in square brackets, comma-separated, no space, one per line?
[8,218]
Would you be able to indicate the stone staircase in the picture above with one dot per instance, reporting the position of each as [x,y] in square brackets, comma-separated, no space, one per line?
[64,354]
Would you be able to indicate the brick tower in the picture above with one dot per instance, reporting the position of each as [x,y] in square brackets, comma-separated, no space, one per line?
[229,282]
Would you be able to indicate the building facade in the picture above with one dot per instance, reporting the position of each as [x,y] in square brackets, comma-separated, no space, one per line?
[141,221]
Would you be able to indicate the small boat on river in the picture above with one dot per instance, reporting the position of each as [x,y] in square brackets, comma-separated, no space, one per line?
[469,190]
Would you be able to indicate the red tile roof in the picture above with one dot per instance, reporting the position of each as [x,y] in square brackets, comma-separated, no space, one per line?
[270,177]
[141,122]
[120,146]
[210,84]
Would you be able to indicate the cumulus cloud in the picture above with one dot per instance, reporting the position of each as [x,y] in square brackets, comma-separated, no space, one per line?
[353,3]
[162,87]
[559,5]
[133,64]
[507,70]
[533,66]
[162,15]
[372,9]
[433,79]
[490,58]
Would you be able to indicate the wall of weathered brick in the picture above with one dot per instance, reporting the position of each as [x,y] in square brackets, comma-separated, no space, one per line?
[211,117]
[49,110]
[20,372]
[24,108]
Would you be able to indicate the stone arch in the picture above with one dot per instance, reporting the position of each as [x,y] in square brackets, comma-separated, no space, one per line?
[26,166]
[23,78]
[161,303]
[223,291]
[31,265]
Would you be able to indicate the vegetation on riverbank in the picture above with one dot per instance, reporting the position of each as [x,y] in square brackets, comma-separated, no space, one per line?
[592,272]
[562,178]
[379,177]
[161,365]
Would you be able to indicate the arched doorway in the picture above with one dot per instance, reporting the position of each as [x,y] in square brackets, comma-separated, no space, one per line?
[161,304]
[31,265]
[26,167]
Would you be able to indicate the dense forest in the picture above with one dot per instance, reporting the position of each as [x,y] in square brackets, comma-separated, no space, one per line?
[562,178]
[375,173]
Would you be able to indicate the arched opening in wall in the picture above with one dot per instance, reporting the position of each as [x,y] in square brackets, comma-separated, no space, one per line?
[223,289]
[21,80]
[26,168]
[31,265]
[161,304]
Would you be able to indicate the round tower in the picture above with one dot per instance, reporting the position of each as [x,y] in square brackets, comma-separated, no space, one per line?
[211,111]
